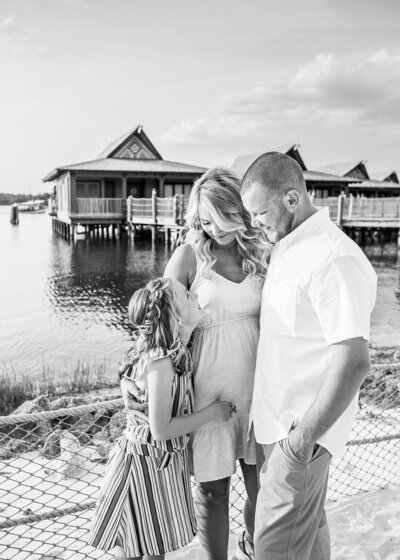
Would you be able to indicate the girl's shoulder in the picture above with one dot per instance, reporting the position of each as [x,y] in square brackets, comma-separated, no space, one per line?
[154,354]
[140,371]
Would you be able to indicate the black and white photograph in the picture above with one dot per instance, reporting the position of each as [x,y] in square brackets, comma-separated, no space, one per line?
[199,280]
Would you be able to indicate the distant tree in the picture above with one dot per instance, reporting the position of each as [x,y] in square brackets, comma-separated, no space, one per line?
[10,198]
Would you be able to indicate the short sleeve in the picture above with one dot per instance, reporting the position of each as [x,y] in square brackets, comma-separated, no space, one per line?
[152,356]
[343,295]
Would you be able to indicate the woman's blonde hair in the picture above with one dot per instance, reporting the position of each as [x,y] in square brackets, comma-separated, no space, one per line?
[218,190]
[154,315]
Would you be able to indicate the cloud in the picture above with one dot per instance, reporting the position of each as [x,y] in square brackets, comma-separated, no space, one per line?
[8,23]
[326,92]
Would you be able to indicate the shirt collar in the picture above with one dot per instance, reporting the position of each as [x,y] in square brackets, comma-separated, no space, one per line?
[306,228]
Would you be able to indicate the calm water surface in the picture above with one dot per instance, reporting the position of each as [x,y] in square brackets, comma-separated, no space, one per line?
[61,302]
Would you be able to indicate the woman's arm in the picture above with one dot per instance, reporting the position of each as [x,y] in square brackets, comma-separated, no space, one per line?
[162,425]
[182,265]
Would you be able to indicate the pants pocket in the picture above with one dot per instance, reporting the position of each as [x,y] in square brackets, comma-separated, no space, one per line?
[318,451]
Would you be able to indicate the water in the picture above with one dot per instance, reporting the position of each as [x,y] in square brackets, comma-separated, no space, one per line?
[61,303]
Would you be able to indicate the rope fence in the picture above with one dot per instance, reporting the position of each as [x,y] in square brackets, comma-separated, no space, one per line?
[52,462]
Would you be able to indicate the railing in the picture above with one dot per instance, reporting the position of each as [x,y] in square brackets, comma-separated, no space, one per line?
[157,211]
[332,202]
[52,206]
[171,211]
[368,208]
[100,206]
[52,464]
[347,210]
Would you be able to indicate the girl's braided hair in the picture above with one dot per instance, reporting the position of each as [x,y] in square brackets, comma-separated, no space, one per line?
[155,318]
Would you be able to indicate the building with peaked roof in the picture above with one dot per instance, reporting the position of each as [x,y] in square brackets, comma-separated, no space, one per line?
[352,169]
[130,165]
[387,184]
[322,184]
[388,176]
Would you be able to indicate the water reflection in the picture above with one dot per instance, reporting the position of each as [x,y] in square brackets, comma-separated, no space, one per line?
[94,279]
[62,302]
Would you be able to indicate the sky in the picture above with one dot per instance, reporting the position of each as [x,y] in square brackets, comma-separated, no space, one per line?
[209,80]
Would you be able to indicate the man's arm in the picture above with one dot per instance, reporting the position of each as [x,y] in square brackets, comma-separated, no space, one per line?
[350,364]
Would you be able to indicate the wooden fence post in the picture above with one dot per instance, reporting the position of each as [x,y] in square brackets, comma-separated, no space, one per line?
[181,209]
[176,208]
[154,205]
[129,209]
[340,210]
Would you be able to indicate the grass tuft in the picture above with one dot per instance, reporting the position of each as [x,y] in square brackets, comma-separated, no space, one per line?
[18,387]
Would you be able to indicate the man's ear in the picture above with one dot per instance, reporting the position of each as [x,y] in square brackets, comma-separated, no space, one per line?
[291,200]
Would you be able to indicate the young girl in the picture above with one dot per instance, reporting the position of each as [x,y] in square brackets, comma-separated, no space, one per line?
[145,506]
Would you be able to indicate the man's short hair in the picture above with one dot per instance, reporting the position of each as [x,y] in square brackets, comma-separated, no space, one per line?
[277,172]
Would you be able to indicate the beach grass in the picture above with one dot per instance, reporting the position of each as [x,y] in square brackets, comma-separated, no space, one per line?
[381,387]
[16,387]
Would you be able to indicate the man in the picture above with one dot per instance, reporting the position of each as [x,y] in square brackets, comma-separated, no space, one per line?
[312,357]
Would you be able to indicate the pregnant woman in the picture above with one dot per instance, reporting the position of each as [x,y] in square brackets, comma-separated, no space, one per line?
[223,261]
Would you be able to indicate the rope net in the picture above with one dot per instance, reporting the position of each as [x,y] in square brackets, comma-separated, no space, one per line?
[52,462]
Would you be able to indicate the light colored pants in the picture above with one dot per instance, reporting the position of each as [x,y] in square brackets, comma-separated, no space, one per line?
[290,504]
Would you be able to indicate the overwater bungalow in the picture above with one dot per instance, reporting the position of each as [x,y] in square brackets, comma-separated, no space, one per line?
[321,184]
[94,193]
[385,184]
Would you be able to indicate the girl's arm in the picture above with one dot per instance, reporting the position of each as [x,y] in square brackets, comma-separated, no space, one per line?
[162,425]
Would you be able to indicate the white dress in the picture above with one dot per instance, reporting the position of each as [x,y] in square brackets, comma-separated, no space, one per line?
[224,354]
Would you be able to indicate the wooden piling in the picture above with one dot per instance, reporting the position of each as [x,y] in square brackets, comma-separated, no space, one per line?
[14,218]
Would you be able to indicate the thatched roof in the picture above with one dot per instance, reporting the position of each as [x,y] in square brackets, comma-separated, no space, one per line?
[138,166]
[318,177]
[389,176]
[375,185]
[346,169]
[117,145]
[133,152]
[243,162]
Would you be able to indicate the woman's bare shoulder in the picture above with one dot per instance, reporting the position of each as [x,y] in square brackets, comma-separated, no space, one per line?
[182,265]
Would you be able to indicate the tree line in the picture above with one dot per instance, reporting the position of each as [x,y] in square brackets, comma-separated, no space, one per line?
[10,198]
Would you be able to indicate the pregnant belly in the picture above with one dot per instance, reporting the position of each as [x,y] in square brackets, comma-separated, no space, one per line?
[224,363]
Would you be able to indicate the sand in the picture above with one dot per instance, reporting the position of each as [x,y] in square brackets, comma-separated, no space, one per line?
[363,526]
[363,504]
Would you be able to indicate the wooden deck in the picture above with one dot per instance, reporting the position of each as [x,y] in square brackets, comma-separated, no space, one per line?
[166,216]
[356,212]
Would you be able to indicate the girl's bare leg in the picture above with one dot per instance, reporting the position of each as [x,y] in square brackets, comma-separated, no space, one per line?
[119,554]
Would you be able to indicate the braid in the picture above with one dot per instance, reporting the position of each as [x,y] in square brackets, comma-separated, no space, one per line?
[153,313]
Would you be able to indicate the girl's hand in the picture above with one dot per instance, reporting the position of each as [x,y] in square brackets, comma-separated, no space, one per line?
[222,410]
[131,394]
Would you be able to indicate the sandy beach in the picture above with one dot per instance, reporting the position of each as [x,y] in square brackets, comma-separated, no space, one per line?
[363,526]
[55,503]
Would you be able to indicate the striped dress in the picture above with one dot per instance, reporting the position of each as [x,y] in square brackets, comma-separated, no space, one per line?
[145,504]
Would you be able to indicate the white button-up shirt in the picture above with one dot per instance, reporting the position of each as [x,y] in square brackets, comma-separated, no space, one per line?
[320,289]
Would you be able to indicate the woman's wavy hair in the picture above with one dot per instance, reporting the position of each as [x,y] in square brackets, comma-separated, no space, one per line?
[218,190]
[154,315]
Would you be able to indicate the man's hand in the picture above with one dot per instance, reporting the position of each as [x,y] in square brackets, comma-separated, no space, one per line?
[131,394]
[300,445]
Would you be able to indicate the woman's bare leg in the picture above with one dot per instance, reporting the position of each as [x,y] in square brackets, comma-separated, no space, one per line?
[212,514]
[251,483]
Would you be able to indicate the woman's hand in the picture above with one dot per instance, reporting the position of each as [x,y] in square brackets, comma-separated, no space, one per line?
[222,411]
